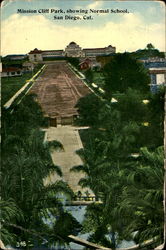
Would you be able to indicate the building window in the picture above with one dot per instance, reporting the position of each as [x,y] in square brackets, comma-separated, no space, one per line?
[18,72]
[13,73]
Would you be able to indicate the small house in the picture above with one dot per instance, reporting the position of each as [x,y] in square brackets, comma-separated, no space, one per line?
[11,71]
[28,66]
[85,64]
[89,64]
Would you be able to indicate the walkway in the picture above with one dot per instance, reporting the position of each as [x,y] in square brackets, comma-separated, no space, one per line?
[58,90]
[70,139]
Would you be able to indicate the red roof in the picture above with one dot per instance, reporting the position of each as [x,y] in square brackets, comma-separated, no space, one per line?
[87,60]
[11,69]
[35,51]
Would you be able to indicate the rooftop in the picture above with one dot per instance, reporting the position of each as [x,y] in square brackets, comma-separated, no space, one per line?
[10,69]
[35,51]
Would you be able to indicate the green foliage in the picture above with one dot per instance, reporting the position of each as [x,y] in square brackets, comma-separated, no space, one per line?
[89,75]
[149,51]
[149,46]
[10,85]
[74,61]
[58,58]
[26,162]
[123,156]
[140,207]
[9,212]
[156,118]
[65,225]
[88,110]
[98,78]
[125,72]
[8,62]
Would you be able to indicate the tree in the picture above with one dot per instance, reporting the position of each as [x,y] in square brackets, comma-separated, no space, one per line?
[149,46]
[156,118]
[65,225]
[9,212]
[92,166]
[141,196]
[89,75]
[74,61]
[130,179]
[124,72]
[130,195]
[26,162]
[88,108]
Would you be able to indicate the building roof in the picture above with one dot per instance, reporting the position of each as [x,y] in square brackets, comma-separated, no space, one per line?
[72,43]
[86,59]
[158,70]
[155,64]
[10,69]
[14,55]
[35,51]
[94,49]
[84,62]
[110,46]
[58,50]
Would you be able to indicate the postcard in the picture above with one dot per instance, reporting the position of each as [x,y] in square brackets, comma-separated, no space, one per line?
[82,94]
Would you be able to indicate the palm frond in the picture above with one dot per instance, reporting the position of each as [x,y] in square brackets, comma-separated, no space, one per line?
[55,168]
[78,168]
[56,145]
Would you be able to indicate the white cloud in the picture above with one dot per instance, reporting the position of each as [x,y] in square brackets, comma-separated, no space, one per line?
[94,5]
[132,34]
[20,34]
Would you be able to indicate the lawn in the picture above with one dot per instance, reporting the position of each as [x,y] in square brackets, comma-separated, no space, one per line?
[10,85]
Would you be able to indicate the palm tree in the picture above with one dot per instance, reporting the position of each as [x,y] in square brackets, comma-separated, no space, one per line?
[26,161]
[140,207]
[93,167]
[29,193]
[9,211]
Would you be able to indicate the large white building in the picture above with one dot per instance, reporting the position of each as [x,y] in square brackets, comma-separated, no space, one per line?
[71,50]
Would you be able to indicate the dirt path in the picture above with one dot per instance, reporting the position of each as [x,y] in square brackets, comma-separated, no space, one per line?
[69,137]
[58,90]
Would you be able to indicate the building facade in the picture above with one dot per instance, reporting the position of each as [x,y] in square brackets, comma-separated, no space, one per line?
[28,67]
[71,50]
[52,53]
[11,71]
[157,71]
[35,55]
[89,63]
[93,52]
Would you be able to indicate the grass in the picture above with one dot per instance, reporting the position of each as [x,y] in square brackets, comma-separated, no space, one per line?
[10,85]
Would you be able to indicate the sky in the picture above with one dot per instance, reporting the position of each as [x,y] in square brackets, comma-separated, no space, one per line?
[143,23]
